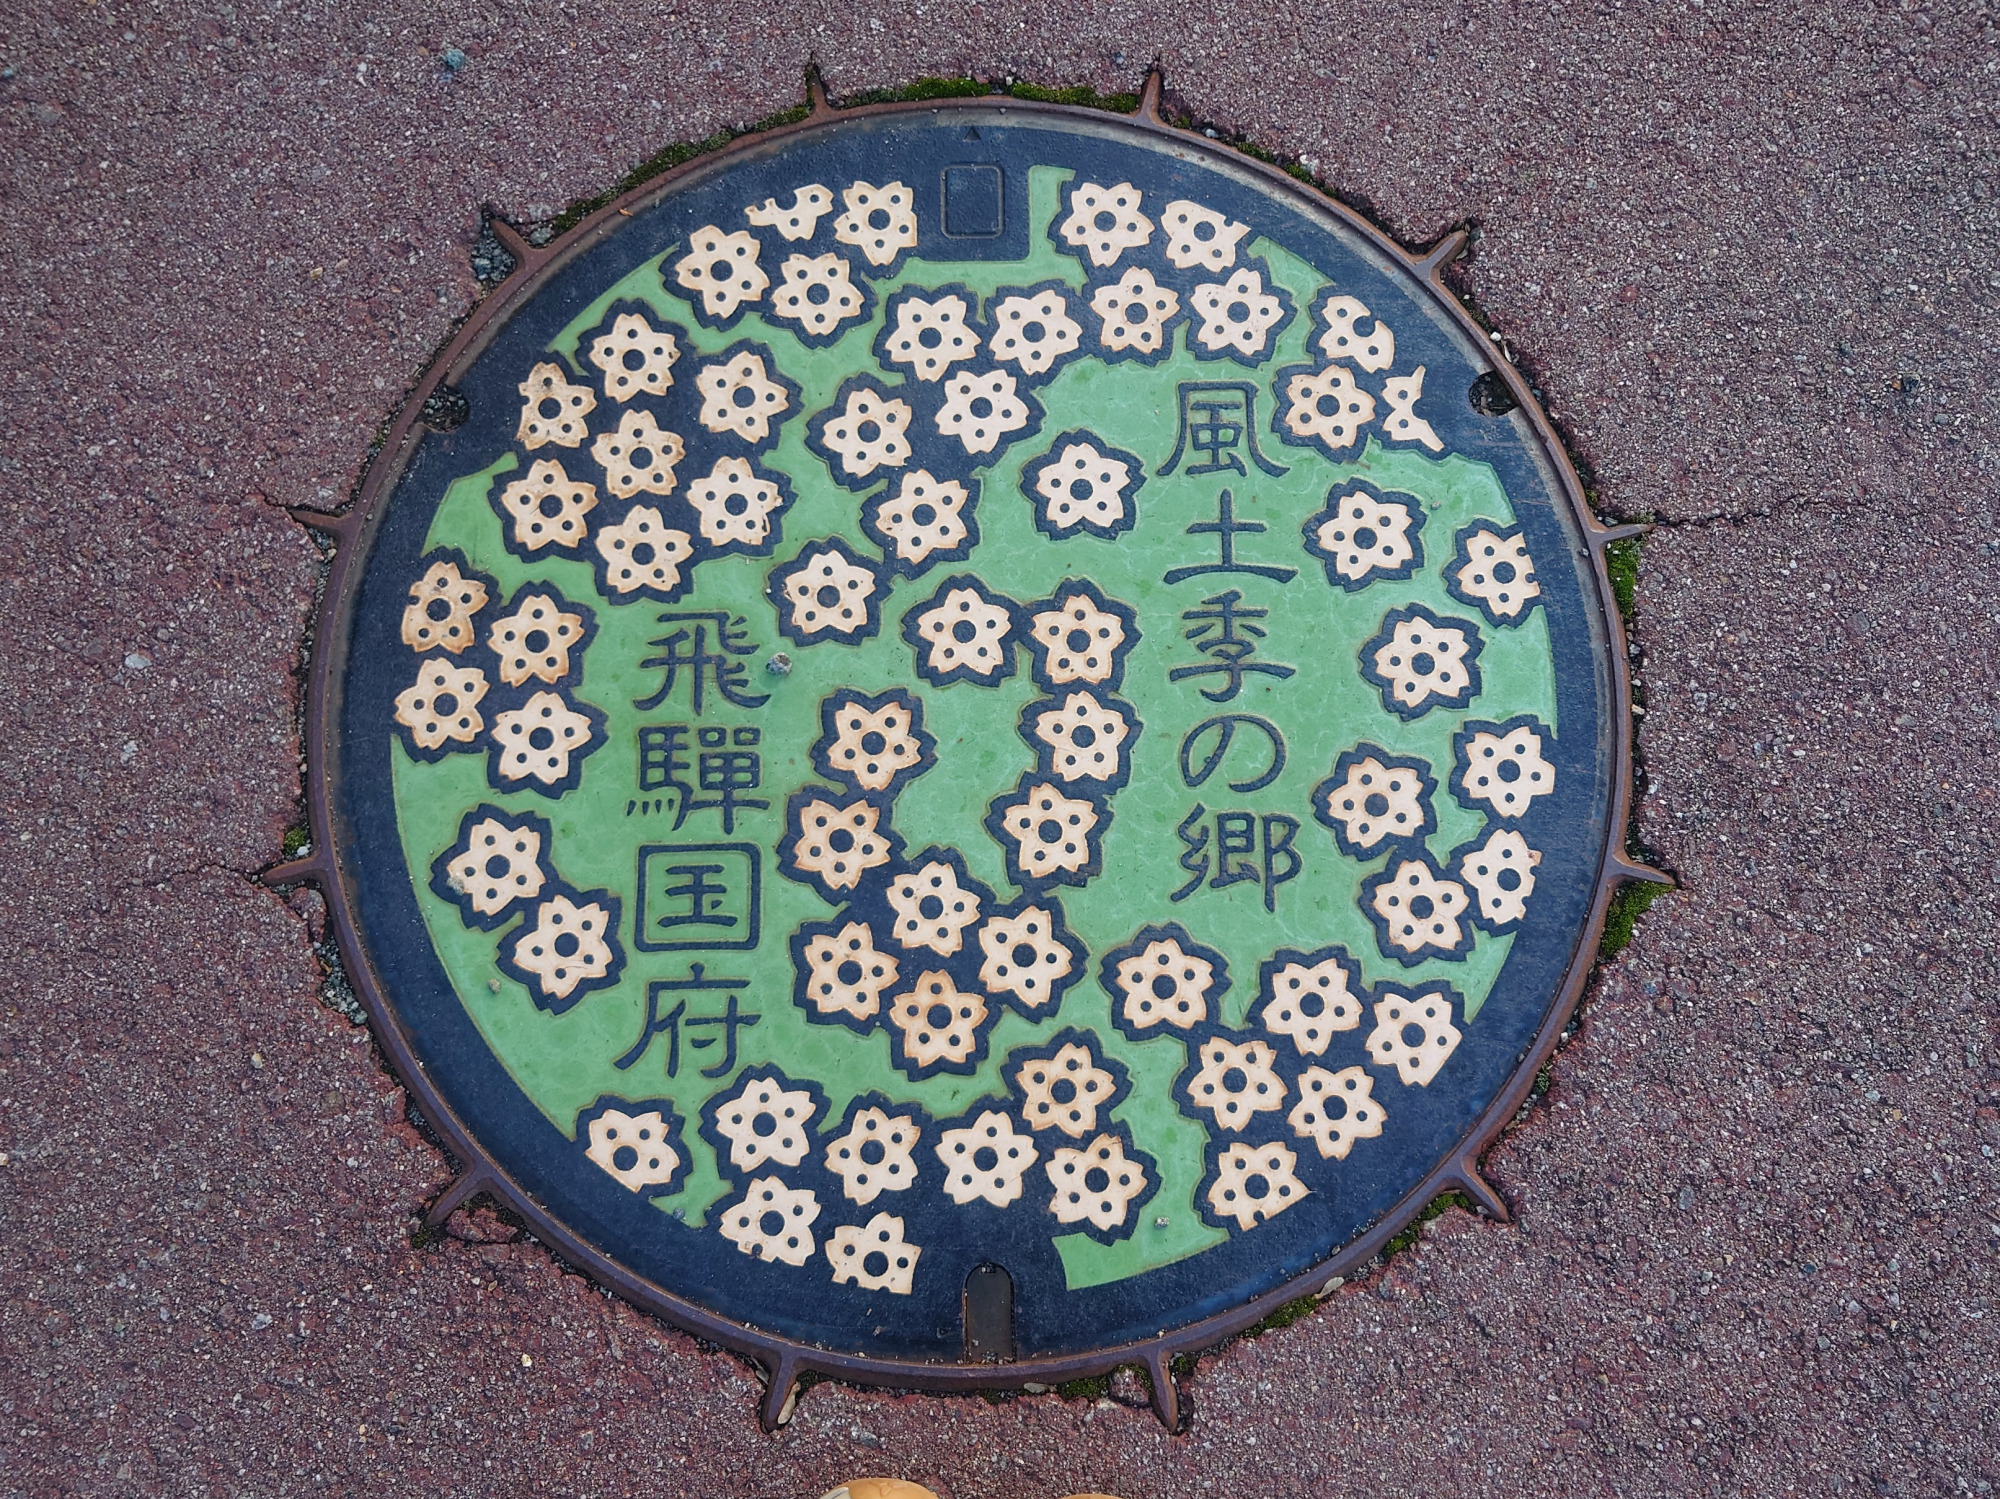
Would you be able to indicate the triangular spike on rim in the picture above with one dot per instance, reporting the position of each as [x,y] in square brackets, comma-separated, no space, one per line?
[339,527]
[1444,252]
[1166,1397]
[312,869]
[1465,1175]
[818,105]
[780,1385]
[471,1181]
[511,239]
[1622,868]
[1149,94]
[1603,536]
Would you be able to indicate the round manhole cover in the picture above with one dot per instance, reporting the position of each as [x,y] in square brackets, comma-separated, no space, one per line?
[990,739]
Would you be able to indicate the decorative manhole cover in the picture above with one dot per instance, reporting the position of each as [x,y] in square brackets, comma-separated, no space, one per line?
[974,691]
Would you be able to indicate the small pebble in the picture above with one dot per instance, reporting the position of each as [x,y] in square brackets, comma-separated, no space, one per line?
[780,664]
[454,59]
[137,662]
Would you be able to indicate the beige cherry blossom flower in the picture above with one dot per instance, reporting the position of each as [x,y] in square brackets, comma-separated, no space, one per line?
[1065,1091]
[1085,739]
[534,641]
[501,864]
[1236,314]
[772,1222]
[1133,312]
[827,592]
[553,409]
[1023,957]
[636,358]
[1105,221]
[1164,983]
[765,1122]
[1199,238]
[1255,1183]
[817,293]
[1494,570]
[442,707]
[1427,661]
[739,396]
[1340,337]
[839,844]
[1506,770]
[932,908]
[846,974]
[643,551]
[966,634]
[876,1155]
[1079,641]
[1309,1002]
[1501,873]
[1363,532]
[564,946]
[1374,803]
[721,268]
[548,506]
[1048,833]
[1327,407]
[810,204]
[537,739]
[639,457]
[868,432]
[1082,485]
[1413,1034]
[985,1160]
[1335,1109]
[875,1257]
[1420,909]
[1034,331]
[1096,1184]
[869,746]
[979,410]
[1402,424]
[1236,1081]
[925,515]
[938,1021]
[442,603]
[930,336]
[880,221]
[733,503]
[654,1160]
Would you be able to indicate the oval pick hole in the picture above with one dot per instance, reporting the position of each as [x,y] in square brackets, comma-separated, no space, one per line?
[989,1316]
[1490,396]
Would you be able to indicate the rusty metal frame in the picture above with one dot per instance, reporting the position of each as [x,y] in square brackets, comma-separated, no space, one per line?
[781,1361]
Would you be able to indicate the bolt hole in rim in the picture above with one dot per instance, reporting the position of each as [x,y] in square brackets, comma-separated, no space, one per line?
[1194,1324]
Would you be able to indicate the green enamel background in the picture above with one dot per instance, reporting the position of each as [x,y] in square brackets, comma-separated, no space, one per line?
[564,1062]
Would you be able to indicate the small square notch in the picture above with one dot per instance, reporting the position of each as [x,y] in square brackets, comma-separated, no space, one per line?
[974,202]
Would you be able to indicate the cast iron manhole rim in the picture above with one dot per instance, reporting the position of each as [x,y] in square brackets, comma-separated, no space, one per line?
[783,1362]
